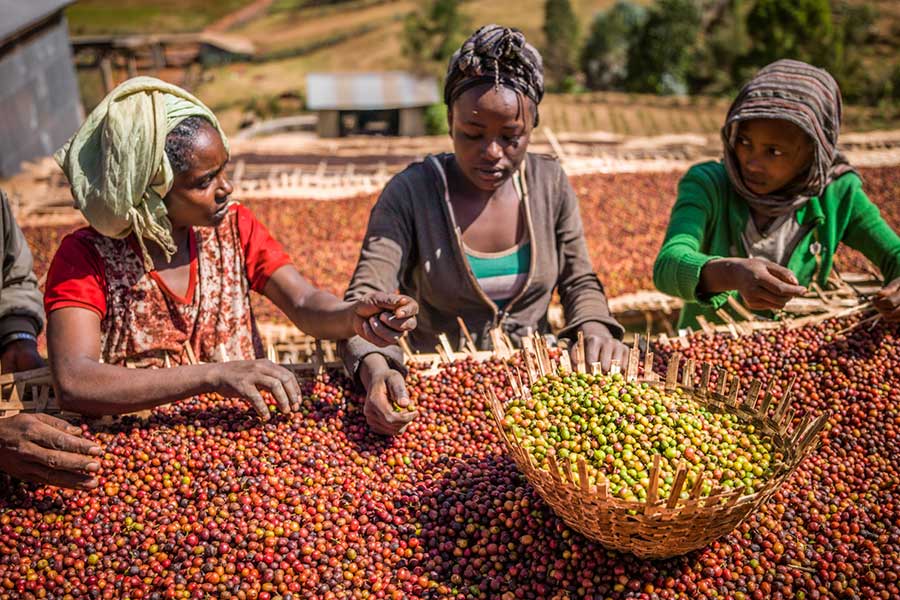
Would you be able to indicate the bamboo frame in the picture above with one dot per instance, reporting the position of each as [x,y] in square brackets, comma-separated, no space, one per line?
[33,391]
[27,391]
[658,528]
[742,328]
[662,527]
[470,346]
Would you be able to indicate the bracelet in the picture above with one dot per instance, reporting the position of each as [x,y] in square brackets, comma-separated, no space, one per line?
[15,337]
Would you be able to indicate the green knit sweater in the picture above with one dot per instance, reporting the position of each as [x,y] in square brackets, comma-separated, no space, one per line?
[709,217]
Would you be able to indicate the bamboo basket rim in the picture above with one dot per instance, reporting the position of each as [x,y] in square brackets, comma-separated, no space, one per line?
[644,523]
[563,479]
[503,349]
[742,328]
[14,387]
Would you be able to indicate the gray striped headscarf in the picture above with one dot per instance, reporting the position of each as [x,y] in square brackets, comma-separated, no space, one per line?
[809,98]
[498,55]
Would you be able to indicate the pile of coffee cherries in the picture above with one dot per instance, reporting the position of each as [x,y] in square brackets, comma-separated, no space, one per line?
[618,426]
[324,237]
[202,500]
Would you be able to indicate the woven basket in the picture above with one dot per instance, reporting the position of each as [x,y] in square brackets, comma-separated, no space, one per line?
[665,527]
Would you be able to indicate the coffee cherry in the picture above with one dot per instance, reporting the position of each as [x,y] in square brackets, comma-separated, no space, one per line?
[202,500]
[618,426]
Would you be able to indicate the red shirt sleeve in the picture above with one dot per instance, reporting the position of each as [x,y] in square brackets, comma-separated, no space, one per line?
[263,255]
[76,276]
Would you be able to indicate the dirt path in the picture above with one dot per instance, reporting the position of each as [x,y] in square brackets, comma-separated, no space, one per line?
[239,17]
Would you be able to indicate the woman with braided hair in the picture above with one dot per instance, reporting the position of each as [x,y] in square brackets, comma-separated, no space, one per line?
[766,221]
[162,276]
[486,233]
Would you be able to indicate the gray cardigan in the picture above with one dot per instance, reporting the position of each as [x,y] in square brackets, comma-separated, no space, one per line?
[413,244]
[21,302]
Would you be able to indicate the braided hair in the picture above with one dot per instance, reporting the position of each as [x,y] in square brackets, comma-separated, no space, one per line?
[497,55]
[180,142]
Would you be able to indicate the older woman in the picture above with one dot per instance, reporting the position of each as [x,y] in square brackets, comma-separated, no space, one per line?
[164,273]
[486,233]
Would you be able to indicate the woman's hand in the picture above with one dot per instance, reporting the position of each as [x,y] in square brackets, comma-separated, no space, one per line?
[887,301]
[44,449]
[600,346]
[762,284]
[385,388]
[21,355]
[245,378]
[382,319]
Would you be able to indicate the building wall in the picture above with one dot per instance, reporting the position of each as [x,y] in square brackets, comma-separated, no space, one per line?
[328,124]
[403,122]
[412,122]
[40,107]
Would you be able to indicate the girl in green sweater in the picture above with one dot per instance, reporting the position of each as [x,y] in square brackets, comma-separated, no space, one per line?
[766,221]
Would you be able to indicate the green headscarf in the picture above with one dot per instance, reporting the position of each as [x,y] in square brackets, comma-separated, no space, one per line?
[116,162]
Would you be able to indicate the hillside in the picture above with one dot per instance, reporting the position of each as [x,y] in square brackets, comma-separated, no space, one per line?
[144,16]
[295,37]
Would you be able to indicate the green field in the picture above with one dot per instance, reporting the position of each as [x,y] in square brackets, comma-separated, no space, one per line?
[89,17]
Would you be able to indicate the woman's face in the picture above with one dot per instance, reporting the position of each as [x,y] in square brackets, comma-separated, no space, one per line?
[199,195]
[491,128]
[771,153]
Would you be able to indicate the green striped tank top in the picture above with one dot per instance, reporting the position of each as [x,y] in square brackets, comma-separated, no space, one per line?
[501,274]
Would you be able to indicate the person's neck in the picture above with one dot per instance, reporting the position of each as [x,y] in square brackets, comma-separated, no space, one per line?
[180,236]
[462,188]
[761,221]
[181,240]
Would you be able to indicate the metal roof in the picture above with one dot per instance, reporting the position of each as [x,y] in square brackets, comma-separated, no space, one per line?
[369,91]
[17,16]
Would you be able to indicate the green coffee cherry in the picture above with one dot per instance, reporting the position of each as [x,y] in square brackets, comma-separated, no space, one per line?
[618,426]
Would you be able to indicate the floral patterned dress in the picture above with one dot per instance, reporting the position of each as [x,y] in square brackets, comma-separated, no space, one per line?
[143,323]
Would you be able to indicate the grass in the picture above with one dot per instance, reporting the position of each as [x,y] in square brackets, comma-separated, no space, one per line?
[228,89]
[89,17]
[528,15]
[632,114]
[283,30]
[291,24]
[366,35]
[637,114]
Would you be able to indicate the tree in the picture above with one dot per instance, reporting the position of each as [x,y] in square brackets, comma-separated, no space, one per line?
[604,58]
[799,29]
[744,35]
[808,30]
[659,56]
[853,28]
[716,63]
[561,38]
[432,34]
